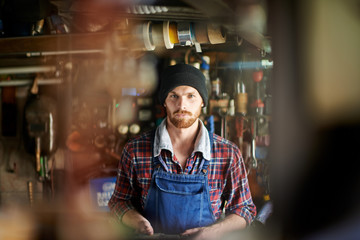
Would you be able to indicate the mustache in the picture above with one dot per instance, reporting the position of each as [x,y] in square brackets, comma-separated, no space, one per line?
[182,112]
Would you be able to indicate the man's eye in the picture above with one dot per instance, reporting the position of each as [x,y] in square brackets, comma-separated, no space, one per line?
[191,95]
[173,96]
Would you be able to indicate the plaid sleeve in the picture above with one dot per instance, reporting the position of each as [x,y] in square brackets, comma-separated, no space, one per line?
[239,198]
[120,201]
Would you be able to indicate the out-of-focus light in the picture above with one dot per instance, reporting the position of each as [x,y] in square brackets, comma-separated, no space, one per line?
[266,63]
[249,65]
[129,92]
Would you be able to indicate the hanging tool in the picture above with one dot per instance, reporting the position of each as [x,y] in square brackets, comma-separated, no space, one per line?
[239,126]
[258,109]
[258,104]
[41,123]
[241,102]
[254,162]
[38,153]
[31,193]
[223,112]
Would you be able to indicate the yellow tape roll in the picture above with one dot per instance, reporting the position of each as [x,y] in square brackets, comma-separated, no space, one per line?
[173,33]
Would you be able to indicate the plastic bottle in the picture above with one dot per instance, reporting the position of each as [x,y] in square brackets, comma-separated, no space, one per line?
[241,98]
[205,67]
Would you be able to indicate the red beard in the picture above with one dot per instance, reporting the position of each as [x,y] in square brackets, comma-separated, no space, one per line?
[183,122]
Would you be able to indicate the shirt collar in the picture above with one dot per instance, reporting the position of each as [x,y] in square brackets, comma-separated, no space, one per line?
[162,141]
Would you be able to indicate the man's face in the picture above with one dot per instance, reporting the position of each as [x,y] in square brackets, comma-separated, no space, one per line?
[183,106]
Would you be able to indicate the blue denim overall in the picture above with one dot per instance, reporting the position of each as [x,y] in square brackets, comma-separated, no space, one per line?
[177,202]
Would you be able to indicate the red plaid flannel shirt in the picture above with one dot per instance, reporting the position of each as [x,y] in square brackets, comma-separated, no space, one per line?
[226,174]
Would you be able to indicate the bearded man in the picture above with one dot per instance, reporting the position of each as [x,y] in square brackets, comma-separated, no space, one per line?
[179,179]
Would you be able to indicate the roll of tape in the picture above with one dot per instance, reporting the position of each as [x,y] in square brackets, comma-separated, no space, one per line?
[173,33]
[139,38]
[166,35]
[146,33]
[161,35]
[215,34]
[185,34]
[157,34]
[201,34]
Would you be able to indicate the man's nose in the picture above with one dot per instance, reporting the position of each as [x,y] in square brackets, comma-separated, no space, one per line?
[182,104]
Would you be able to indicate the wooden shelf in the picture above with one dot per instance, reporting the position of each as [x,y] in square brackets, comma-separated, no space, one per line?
[53,43]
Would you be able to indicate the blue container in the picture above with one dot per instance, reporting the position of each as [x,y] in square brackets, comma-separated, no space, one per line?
[101,190]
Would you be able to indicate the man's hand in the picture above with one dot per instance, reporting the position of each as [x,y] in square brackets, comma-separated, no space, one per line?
[145,227]
[136,221]
[214,232]
[202,233]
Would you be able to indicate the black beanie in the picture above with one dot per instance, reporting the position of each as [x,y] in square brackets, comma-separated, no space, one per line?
[180,75]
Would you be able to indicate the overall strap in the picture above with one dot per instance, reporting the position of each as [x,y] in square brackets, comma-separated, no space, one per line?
[203,166]
[160,161]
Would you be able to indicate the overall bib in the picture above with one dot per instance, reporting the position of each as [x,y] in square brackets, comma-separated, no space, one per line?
[177,202]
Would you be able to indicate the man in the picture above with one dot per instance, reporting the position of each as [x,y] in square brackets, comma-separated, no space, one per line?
[176,180]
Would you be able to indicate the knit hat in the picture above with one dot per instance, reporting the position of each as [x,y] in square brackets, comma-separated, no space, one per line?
[180,75]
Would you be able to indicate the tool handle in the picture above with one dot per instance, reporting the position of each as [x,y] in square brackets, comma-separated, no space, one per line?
[37,153]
